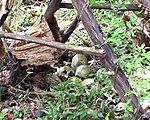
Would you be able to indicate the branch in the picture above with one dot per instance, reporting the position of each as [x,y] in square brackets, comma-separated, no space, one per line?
[53,6]
[80,49]
[129,7]
[66,34]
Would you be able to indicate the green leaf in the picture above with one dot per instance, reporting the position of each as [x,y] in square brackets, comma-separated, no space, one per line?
[146,55]
[92,2]
[2,115]
[138,60]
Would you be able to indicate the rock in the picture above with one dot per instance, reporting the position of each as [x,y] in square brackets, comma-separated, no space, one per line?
[64,71]
[83,71]
[87,81]
[52,79]
[39,113]
[77,60]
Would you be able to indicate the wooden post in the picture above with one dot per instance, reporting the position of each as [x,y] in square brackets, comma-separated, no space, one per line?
[119,80]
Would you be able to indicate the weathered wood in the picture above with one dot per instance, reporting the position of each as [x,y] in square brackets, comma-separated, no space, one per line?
[119,81]
[36,54]
[85,50]
[66,34]
[53,6]
[129,7]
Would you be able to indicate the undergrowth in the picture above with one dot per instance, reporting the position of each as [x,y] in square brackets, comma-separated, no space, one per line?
[97,101]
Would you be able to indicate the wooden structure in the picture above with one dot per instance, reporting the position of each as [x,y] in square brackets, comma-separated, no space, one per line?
[119,81]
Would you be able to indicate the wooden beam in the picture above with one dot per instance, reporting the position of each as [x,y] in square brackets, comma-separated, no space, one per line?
[119,80]
[129,7]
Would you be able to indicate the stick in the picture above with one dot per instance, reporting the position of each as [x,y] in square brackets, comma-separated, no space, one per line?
[80,49]
[53,94]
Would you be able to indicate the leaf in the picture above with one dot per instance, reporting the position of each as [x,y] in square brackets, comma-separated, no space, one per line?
[142,84]
[132,19]
[119,30]
[2,115]
[92,2]
[139,60]
[107,116]
[147,55]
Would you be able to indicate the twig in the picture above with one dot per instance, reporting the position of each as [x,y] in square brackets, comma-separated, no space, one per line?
[53,94]
[80,49]
[22,80]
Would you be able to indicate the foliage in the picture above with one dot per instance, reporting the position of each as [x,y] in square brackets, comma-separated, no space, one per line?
[130,57]
[77,101]
[2,115]
[24,16]
[97,100]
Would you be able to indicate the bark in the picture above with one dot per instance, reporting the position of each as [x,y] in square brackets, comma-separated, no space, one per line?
[53,6]
[80,49]
[119,81]
[129,7]
[66,34]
